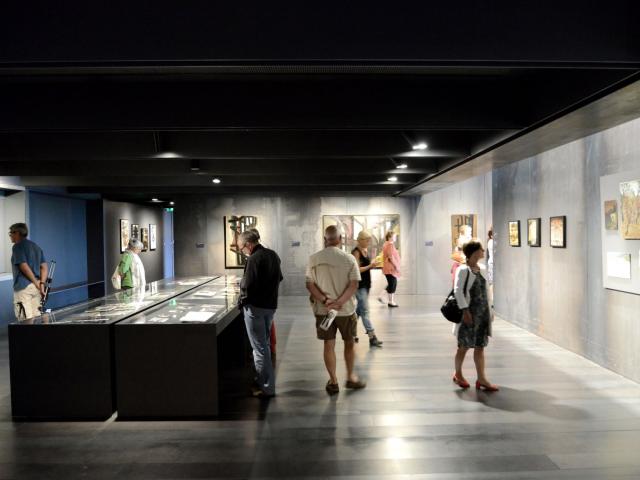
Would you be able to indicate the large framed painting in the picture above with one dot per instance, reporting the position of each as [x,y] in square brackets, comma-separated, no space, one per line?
[350,226]
[611,215]
[135,231]
[558,231]
[124,234]
[144,238]
[464,227]
[619,265]
[153,237]
[234,225]
[533,232]
[630,210]
[514,233]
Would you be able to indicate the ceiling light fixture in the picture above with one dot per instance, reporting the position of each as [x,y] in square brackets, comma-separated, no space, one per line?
[172,203]
[155,200]
[216,180]
[402,166]
[392,179]
[195,166]
[420,146]
[168,155]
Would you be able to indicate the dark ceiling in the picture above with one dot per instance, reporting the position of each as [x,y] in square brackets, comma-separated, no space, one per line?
[98,111]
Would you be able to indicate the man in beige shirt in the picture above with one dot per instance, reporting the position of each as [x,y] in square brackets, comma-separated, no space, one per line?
[332,279]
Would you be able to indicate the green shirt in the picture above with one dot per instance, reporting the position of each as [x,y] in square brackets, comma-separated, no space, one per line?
[125,269]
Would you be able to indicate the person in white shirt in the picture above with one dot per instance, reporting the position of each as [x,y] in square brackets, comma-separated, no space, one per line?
[332,279]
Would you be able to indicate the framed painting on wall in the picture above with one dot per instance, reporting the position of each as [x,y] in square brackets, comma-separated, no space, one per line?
[350,226]
[464,227]
[558,231]
[619,265]
[533,232]
[135,231]
[514,233]
[630,210]
[234,225]
[144,238]
[611,215]
[124,234]
[153,241]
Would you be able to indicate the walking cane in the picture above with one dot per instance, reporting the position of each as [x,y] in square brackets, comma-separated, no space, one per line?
[47,286]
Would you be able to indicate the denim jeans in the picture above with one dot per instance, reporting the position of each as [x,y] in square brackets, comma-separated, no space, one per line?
[362,310]
[258,322]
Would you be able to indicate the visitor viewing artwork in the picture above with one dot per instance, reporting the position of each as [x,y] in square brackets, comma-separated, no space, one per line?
[630,209]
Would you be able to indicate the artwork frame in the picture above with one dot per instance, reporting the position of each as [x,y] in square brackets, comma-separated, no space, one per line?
[464,227]
[630,210]
[533,232]
[135,231]
[144,238]
[153,237]
[350,226]
[513,229]
[611,215]
[233,226]
[124,234]
[558,231]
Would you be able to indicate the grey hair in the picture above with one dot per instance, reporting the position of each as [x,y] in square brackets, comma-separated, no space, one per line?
[250,236]
[331,233]
[135,243]
[20,228]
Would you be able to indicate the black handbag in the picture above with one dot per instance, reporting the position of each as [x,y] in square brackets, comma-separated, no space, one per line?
[450,308]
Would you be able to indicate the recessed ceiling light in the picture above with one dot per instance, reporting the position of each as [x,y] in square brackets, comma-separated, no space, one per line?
[172,203]
[195,166]
[402,166]
[392,179]
[216,180]
[420,146]
[155,200]
[168,155]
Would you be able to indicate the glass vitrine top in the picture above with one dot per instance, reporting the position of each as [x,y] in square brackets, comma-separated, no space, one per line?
[120,305]
[207,303]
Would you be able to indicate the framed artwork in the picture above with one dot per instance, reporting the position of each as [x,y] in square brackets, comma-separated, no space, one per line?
[533,232]
[514,233]
[350,226]
[611,215]
[153,240]
[135,231]
[630,210]
[558,231]
[234,225]
[464,227]
[124,234]
[144,238]
[619,265]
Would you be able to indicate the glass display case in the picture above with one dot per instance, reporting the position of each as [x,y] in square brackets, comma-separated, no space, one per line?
[62,363]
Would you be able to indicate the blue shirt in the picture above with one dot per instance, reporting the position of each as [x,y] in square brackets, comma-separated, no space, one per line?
[27,252]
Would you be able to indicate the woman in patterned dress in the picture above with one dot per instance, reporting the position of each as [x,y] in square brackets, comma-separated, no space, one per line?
[472,294]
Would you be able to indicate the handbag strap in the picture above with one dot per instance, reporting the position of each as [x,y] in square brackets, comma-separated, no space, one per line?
[466,282]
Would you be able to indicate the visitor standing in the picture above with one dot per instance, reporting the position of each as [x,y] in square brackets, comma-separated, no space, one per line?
[131,268]
[390,268]
[29,273]
[361,254]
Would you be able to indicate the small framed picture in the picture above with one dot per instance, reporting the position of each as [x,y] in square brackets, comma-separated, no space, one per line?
[135,231]
[124,234]
[533,232]
[153,242]
[144,238]
[558,231]
[514,233]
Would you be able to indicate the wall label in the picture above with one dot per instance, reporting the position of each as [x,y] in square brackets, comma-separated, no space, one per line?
[295,243]
[428,243]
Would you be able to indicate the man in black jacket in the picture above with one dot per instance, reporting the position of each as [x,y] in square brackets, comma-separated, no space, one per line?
[259,301]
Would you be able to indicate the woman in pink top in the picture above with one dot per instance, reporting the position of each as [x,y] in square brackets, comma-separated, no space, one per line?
[390,267]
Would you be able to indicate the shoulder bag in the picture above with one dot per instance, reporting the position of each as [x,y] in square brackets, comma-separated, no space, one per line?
[450,308]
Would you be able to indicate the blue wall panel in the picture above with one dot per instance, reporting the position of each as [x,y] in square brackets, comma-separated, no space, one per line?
[58,225]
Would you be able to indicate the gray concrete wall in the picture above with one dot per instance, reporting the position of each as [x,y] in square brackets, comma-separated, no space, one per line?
[433,225]
[558,293]
[283,220]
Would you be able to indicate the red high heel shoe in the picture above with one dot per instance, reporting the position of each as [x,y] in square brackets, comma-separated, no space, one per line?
[486,388]
[459,382]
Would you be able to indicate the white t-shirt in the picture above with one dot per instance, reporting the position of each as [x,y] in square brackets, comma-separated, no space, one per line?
[332,270]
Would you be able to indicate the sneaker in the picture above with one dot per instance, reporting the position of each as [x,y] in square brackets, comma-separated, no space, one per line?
[374,342]
[356,385]
[332,388]
[392,305]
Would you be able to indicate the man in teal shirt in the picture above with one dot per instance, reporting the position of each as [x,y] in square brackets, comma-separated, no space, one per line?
[29,272]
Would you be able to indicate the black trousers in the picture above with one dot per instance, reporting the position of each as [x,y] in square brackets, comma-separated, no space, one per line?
[392,283]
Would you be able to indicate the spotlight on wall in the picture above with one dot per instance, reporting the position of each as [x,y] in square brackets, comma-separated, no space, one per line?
[402,166]
[216,180]
[392,179]
[420,146]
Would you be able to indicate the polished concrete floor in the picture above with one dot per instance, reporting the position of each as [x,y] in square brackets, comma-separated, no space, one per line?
[557,416]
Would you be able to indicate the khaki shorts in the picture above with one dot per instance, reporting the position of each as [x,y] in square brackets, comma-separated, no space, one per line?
[347,326]
[26,302]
